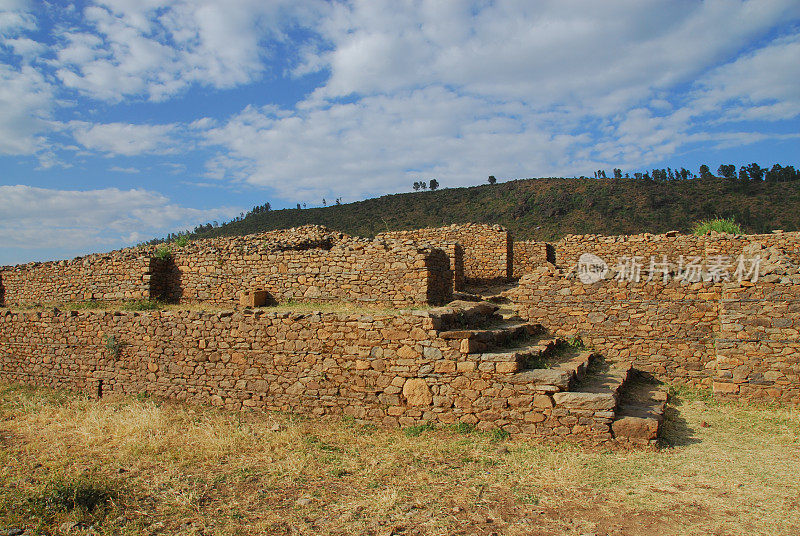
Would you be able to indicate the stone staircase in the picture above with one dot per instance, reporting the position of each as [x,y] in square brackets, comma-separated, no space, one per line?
[583,396]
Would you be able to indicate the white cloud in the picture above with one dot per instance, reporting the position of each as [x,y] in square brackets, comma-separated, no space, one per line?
[119,169]
[156,50]
[597,57]
[25,108]
[28,49]
[15,17]
[383,143]
[458,90]
[762,85]
[126,139]
[46,218]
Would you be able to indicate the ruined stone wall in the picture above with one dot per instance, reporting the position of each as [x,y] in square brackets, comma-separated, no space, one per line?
[742,338]
[455,254]
[305,263]
[666,329]
[758,346]
[388,369]
[530,255]
[356,270]
[673,245]
[120,275]
[488,249]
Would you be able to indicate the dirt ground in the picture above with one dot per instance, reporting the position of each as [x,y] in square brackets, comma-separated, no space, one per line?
[142,467]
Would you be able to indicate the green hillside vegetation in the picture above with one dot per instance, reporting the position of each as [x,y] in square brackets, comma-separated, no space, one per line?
[549,208]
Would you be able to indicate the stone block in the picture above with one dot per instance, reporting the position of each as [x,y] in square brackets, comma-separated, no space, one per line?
[254,298]
[417,393]
[726,388]
[593,401]
[638,428]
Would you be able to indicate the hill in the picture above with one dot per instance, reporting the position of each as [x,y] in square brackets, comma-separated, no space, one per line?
[549,208]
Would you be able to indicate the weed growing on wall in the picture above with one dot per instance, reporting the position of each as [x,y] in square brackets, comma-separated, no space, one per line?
[720,225]
[113,346]
[164,253]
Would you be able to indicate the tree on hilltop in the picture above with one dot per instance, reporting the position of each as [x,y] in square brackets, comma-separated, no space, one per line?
[727,170]
[433,184]
[756,172]
[492,180]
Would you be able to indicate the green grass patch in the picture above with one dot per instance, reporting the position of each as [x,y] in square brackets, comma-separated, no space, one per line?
[415,431]
[146,304]
[87,499]
[463,428]
[720,225]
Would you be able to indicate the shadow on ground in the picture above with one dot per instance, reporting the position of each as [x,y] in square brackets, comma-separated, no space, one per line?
[676,431]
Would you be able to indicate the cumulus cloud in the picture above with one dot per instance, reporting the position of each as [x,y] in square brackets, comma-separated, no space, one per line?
[512,88]
[152,49]
[26,97]
[74,219]
[584,54]
[761,85]
[125,139]
[383,143]
[25,109]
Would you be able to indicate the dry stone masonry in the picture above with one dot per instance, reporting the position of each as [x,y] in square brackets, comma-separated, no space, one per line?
[488,249]
[464,362]
[304,264]
[401,369]
[119,275]
[738,337]
[530,255]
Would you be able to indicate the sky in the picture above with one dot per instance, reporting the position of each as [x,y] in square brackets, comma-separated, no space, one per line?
[124,120]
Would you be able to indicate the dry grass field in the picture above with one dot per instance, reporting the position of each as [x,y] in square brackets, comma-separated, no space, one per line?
[142,467]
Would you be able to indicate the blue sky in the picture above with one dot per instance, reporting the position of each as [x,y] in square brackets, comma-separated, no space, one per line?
[121,120]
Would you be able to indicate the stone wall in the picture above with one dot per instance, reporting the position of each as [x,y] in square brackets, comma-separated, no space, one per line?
[389,369]
[742,338]
[666,329]
[379,272]
[611,248]
[119,275]
[488,249]
[455,253]
[758,346]
[530,255]
[306,263]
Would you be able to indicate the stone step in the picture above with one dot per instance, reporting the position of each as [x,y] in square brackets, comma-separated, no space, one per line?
[475,341]
[558,377]
[598,390]
[461,314]
[508,313]
[512,360]
[465,296]
[640,411]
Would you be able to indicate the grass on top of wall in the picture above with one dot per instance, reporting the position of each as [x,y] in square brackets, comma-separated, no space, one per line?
[719,225]
[139,466]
